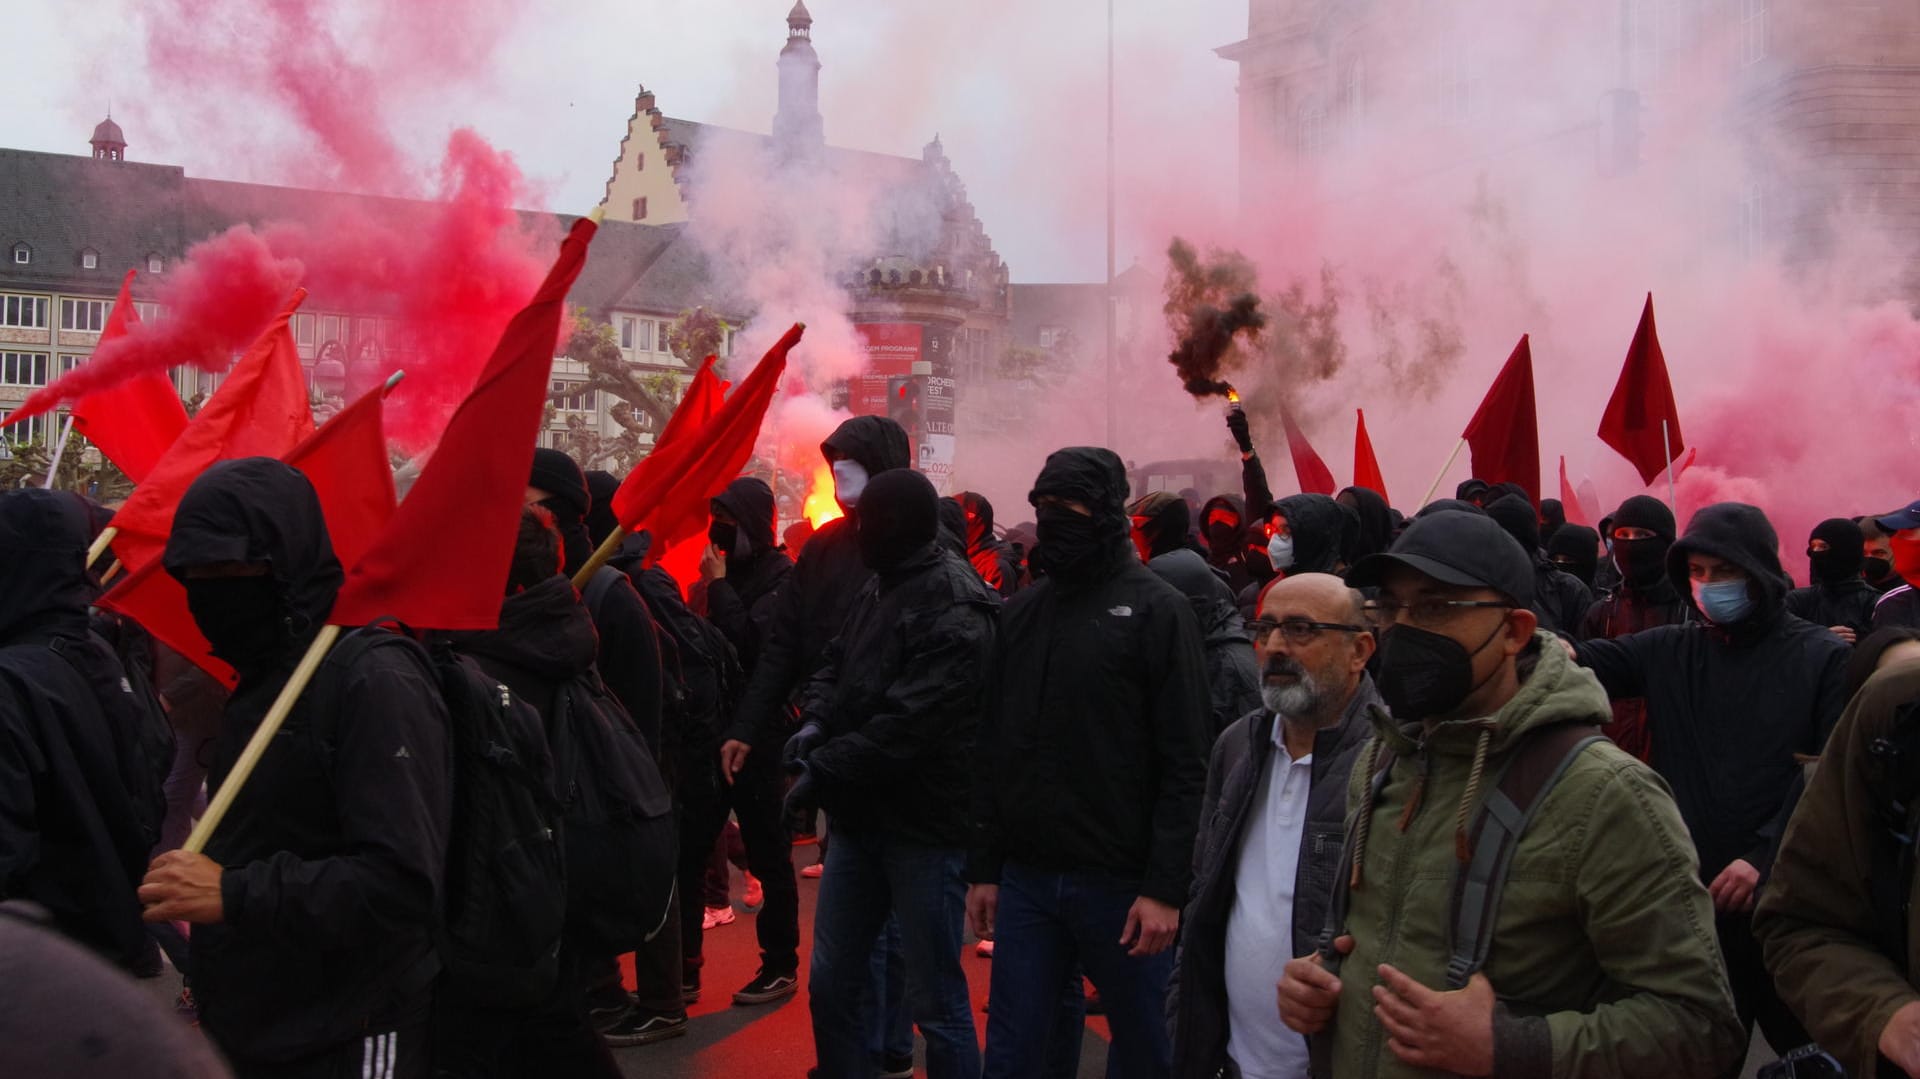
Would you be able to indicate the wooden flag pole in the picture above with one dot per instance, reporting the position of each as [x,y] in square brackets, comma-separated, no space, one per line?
[1444,469]
[100,545]
[262,738]
[111,571]
[1666,449]
[600,555]
[59,451]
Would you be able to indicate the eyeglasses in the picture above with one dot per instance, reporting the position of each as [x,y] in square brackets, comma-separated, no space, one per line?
[1297,630]
[1425,612]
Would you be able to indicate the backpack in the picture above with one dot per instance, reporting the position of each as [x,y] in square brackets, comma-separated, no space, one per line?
[1530,772]
[706,679]
[144,736]
[622,833]
[506,889]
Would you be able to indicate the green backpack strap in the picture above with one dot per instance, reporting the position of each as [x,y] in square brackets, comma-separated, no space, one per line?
[1530,773]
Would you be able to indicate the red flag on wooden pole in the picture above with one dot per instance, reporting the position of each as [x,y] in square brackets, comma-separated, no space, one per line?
[1570,499]
[1642,403]
[1504,433]
[441,561]
[1366,467]
[1314,476]
[134,422]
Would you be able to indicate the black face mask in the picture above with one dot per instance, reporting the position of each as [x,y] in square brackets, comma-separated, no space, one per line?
[243,618]
[1831,566]
[731,539]
[1877,569]
[1424,674]
[1642,561]
[1068,540]
[576,547]
[1220,538]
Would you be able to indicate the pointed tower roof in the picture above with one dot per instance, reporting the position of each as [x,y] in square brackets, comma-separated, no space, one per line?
[798,18]
[109,132]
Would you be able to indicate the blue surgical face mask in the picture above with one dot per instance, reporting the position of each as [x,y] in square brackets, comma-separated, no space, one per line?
[1280,553]
[1723,602]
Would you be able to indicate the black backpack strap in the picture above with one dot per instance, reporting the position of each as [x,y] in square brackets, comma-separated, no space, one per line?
[601,583]
[1343,877]
[1530,772]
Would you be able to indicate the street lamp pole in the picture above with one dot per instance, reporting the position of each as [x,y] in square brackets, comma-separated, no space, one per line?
[1112,366]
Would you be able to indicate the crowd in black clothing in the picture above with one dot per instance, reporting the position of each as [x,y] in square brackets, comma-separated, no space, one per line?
[1020,732]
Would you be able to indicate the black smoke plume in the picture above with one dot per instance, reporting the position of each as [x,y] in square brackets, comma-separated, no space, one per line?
[1210,303]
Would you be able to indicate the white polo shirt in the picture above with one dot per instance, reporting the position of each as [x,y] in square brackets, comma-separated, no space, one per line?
[1260,926]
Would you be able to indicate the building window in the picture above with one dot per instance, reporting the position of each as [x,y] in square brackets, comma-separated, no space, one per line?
[643,335]
[83,316]
[23,368]
[1051,335]
[1753,223]
[154,264]
[22,254]
[89,259]
[1753,30]
[572,396]
[303,329]
[147,310]
[640,209]
[626,334]
[639,162]
[1353,89]
[24,312]
[1310,132]
[68,361]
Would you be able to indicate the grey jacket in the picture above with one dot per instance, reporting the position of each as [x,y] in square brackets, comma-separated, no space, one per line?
[1197,1004]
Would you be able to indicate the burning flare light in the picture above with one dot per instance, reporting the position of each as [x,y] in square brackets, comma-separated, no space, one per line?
[820,506]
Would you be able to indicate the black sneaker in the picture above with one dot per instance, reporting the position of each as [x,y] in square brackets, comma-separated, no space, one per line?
[690,989]
[767,987]
[642,1027]
[607,1010]
[1096,1006]
[892,1067]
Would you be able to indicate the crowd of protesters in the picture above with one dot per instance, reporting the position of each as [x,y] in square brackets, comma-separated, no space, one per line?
[1302,786]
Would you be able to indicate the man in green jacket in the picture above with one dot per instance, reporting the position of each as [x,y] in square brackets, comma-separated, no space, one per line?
[1838,921]
[1602,959]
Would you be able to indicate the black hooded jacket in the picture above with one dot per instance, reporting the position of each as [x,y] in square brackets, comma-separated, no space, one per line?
[1838,596]
[334,850]
[1232,675]
[1375,534]
[812,604]
[1322,530]
[992,559]
[1093,742]
[545,640]
[1728,707]
[1559,599]
[899,694]
[71,835]
[741,603]
[1229,557]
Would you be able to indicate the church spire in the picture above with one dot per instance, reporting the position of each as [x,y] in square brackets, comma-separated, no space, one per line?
[797,125]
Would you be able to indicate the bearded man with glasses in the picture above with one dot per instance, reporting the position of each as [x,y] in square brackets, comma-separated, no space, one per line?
[1271,829]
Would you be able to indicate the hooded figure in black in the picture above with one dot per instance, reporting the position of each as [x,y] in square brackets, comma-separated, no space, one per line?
[1317,532]
[1233,677]
[740,594]
[629,657]
[72,837]
[1377,528]
[1553,518]
[1730,700]
[1644,599]
[1093,749]
[1575,549]
[805,613]
[953,528]
[1161,522]
[887,731]
[992,558]
[329,865]
[1839,597]
[1227,535]
[1559,599]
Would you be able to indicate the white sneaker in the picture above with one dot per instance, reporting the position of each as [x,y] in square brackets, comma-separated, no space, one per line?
[984,949]
[717,916]
[813,871]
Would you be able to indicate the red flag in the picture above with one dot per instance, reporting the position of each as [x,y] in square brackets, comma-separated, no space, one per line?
[441,561]
[1366,467]
[1504,435]
[260,410]
[134,422]
[1314,475]
[695,468]
[1570,499]
[696,409]
[1642,402]
[346,460]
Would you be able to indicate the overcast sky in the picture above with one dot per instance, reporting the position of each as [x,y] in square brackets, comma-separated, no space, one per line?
[1014,87]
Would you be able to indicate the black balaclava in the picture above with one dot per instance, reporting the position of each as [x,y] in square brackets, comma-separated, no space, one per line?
[601,522]
[1079,548]
[1576,550]
[1515,514]
[1845,554]
[953,527]
[1167,521]
[567,499]
[899,519]
[1643,562]
[1553,517]
[979,513]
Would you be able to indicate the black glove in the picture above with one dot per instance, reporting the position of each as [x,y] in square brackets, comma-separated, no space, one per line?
[804,741]
[1237,423]
[800,802]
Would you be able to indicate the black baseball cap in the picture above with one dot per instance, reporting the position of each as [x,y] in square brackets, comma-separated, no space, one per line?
[1467,550]
[1900,520]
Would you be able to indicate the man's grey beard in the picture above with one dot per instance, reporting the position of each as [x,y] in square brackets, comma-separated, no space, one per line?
[1301,699]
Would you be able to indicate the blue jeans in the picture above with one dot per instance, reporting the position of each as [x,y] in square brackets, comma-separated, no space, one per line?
[1048,923]
[870,877]
[887,1020]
